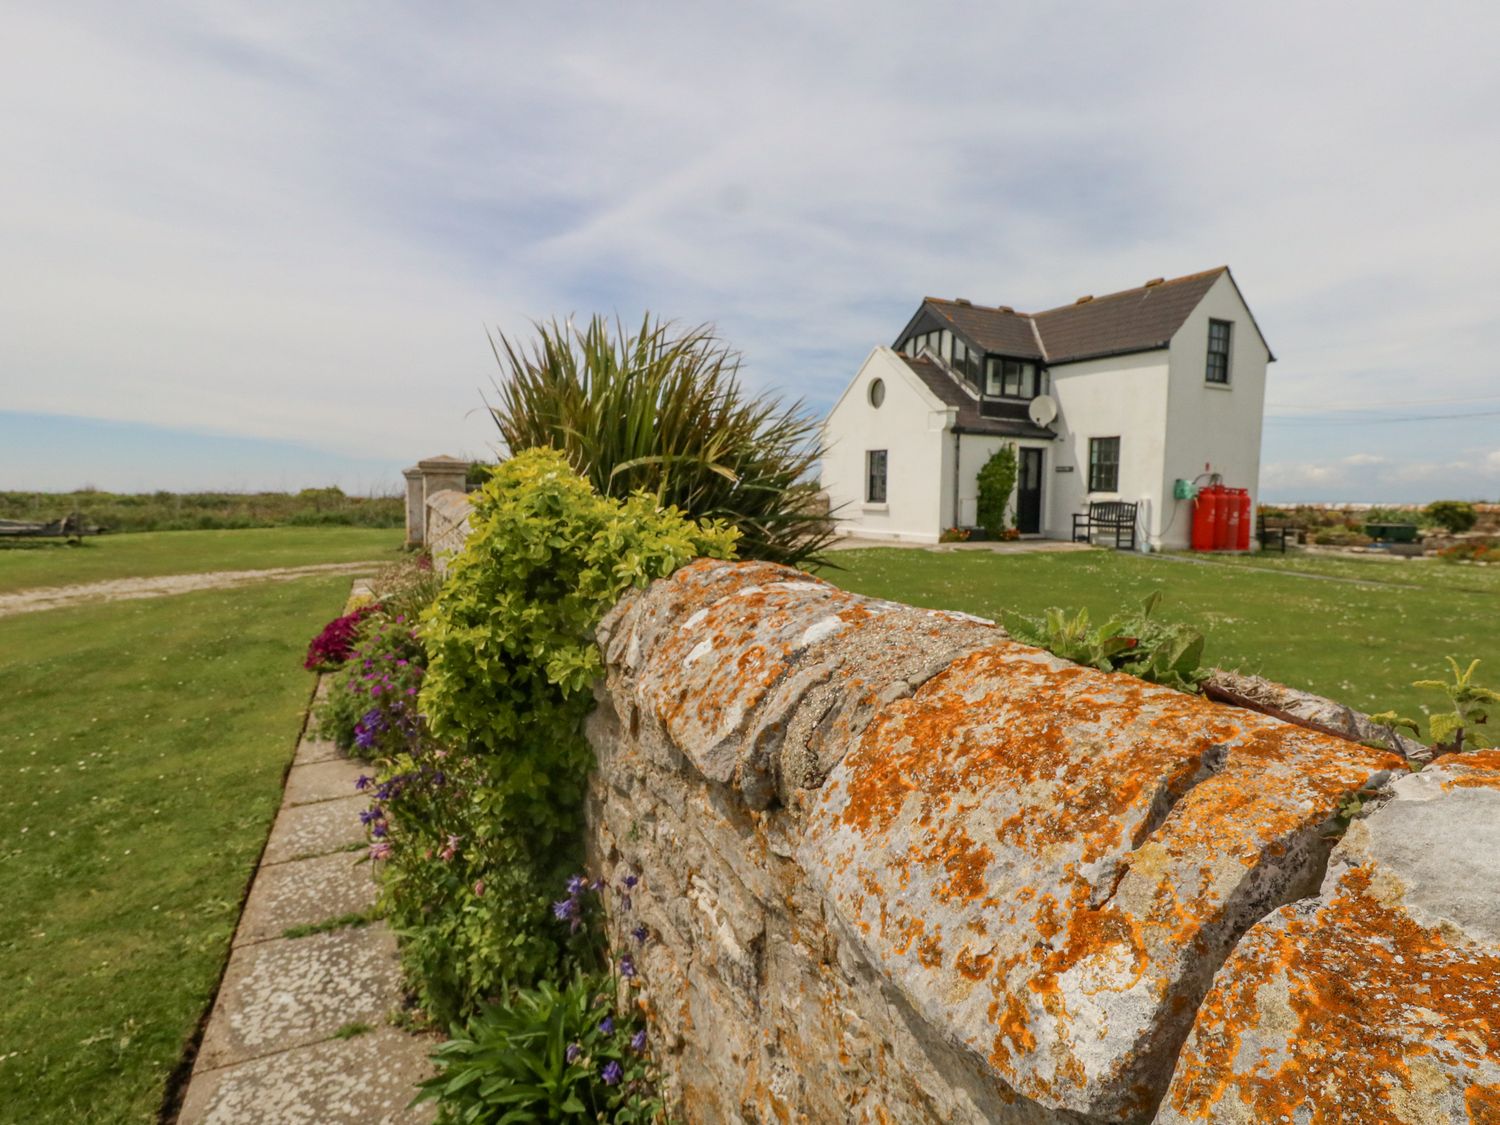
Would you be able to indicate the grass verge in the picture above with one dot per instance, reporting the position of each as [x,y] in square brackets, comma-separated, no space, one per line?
[1359,644]
[143,746]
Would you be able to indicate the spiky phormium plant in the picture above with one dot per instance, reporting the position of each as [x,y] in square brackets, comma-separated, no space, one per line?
[662,410]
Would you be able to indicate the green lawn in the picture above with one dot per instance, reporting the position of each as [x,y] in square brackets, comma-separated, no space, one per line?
[143,745]
[152,553]
[1360,643]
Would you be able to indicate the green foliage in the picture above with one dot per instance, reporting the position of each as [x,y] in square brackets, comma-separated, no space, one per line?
[205,511]
[1455,515]
[485,808]
[664,412]
[1164,654]
[997,480]
[1452,731]
[547,1054]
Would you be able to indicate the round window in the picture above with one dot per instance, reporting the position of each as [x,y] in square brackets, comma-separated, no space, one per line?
[877,392]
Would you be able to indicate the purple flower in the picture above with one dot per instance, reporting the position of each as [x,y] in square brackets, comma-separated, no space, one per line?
[381,849]
[627,967]
[638,1041]
[565,909]
[607,1025]
[577,884]
[573,1052]
[378,830]
[362,782]
[367,815]
[612,1073]
[640,933]
[630,882]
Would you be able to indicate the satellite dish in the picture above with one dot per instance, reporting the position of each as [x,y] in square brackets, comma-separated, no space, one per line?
[1042,410]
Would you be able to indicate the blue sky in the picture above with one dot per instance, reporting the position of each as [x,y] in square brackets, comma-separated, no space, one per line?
[263,243]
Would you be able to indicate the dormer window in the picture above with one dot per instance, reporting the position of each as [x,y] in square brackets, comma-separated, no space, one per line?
[1013,378]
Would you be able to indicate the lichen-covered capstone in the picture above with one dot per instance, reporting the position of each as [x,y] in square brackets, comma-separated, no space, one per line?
[1050,861]
[1378,1000]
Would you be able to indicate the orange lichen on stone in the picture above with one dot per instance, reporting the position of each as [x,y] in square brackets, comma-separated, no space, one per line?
[1348,996]
[1127,833]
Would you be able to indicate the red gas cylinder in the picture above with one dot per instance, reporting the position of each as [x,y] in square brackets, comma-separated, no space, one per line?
[1203,519]
[1221,519]
[1242,543]
[1231,519]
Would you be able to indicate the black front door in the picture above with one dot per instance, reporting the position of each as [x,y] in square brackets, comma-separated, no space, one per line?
[1029,492]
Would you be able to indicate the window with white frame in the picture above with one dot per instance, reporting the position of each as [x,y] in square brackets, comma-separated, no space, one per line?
[875,475]
[1218,351]
[1104,464]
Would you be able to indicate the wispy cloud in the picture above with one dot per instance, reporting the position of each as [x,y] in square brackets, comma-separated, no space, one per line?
[294,221]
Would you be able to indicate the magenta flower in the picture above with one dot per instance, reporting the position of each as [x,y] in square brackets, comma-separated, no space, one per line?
[380,849]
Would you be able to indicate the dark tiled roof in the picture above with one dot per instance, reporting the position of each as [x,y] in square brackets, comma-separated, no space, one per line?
[969,420]
[1135,320]
[994,330]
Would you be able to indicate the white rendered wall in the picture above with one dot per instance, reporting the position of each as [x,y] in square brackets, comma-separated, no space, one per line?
[910,426]
[974,451]
[1209,424]
[1120,396]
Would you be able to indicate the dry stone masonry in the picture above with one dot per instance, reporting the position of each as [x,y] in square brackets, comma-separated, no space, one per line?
[897,867]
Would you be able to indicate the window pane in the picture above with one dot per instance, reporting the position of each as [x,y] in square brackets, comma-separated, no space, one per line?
[875,476]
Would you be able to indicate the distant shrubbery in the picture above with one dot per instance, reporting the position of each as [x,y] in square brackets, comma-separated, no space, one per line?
[207,511]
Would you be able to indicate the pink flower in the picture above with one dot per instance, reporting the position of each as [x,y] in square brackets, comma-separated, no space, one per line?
[479,888]
[380,849]
[451,850]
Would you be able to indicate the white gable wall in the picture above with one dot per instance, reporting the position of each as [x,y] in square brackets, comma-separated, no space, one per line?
[1119,396]
[910,426]
[1208,424]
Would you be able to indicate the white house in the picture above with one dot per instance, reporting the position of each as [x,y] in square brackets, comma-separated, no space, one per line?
[1110,398]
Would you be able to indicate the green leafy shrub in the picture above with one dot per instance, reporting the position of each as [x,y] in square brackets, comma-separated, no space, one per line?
[1454,515]
[482,813]
[664,412]
[1341,537]
[1452,731]
[548,1054]
[997,480]
[1135,643]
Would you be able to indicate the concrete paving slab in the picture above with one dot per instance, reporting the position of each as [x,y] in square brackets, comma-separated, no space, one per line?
[294,991]
[369,1078]
[304,893]
[312,750]
[323,781]
[304,831]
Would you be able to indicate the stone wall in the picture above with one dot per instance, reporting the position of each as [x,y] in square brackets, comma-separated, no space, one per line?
[895,867]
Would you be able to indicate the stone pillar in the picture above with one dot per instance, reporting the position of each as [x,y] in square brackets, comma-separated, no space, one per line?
[416,507]
[440,474]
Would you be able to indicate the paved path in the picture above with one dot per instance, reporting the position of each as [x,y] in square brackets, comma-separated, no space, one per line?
[124,589]
[301,1030]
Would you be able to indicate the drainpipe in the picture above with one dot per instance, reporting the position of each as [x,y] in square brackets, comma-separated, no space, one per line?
[958,440]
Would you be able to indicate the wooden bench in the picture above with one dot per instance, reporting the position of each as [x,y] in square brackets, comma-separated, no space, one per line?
[1107,515]
[1277,532]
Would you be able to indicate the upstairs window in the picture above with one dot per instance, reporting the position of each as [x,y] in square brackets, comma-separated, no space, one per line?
[875,476]
[965,362]
[1011,378]
[1218,351]
[1104,464]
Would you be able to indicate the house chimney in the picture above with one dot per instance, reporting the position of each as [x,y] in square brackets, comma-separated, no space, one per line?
[1155,281]
[1005,309]
[1084,300]
[963,301]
